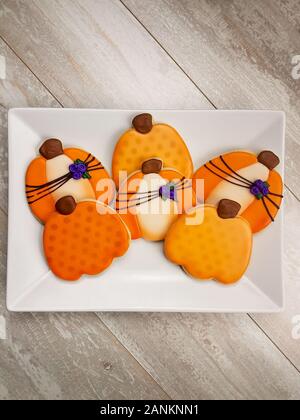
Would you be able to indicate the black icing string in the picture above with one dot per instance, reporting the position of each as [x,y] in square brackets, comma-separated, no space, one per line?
[181,181]
[267,209]
[225,179]
[88,156]
[235,173]
[276,195]
[246,183]
[33,191]
[38,187]
[150,195]
[61,182]
[95,168]
[139,203]
[136,198]
[273,202]
[52,191]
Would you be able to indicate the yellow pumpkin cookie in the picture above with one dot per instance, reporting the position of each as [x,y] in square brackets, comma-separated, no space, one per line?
[146,141]
[211,243]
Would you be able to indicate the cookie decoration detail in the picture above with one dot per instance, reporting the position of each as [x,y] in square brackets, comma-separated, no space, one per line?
[60,172]
[211,243]
[147,140]
[152,198]
[80,239]
[249,179]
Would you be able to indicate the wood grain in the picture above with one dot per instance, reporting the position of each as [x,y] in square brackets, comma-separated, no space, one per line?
[206,356]
[99,55]
[279,327]
[238,53]
[107,60]
[20,88]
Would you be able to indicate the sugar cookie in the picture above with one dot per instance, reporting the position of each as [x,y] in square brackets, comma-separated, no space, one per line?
[147,140]
[59,172]
[248,179]
[80,239]
[211,243]
[151,199]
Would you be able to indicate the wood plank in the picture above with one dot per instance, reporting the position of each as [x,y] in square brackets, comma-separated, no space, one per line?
[284,328]
[107,60]
[238,53]
[44,355]
[3,158]
[19,89]
[206,356]
[60,40]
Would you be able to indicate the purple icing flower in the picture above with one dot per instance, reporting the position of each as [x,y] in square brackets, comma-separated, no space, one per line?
[81,167]
[77,175]
[78,169]
[73,168]
[168,192]
[254,190]
[259,189]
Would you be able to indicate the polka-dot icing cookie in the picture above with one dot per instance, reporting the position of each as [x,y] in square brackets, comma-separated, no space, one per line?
[211,243]
[247,178]
[59,172]
[146,141]
[83,238]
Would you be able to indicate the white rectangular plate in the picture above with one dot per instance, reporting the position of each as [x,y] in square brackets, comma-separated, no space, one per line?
[142,280]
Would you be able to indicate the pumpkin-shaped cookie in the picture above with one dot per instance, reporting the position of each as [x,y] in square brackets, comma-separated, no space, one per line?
[211,243]
[246,178]
[59,172]
[146,141]
[83,238]
[151,199]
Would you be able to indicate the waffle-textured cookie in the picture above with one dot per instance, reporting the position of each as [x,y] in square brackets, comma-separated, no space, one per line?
[147,140]
[83,238]
[211,244]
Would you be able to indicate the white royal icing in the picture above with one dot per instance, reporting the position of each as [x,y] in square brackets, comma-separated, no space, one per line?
[241,195]
[155,216]
[80,189]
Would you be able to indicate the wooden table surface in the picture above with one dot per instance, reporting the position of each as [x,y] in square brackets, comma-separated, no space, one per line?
[181,54]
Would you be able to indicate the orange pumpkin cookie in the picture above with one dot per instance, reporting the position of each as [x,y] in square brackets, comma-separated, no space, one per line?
[246,178]
[146,141]
[83,238]
[59,172]
[211,243]
[152,198]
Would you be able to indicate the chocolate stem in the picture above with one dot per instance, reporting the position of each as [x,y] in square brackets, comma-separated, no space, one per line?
[269,159]
[143,123]
[152,166]
[66,205]
[51,148]
[228,209]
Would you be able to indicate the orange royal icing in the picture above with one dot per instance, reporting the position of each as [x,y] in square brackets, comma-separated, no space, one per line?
[84,242]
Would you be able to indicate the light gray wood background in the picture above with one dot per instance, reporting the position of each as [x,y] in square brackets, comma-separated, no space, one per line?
[180,54]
